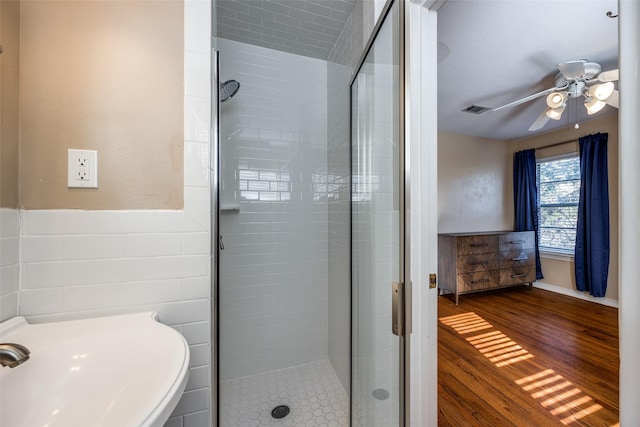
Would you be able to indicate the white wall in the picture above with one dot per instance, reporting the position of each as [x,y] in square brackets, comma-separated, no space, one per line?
[273,269]
[475,191]
[9,249]
[90,263]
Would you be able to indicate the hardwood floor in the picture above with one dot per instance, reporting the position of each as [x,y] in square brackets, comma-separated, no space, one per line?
[527,357]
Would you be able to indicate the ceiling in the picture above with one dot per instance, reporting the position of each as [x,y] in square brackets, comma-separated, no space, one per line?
[491,53]
[303,27]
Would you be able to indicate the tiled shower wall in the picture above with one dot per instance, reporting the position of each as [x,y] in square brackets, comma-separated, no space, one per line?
[9,249]
[89,263]
[273,269]
[341,64]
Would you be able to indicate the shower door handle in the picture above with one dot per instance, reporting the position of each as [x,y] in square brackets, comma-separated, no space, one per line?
[397,308]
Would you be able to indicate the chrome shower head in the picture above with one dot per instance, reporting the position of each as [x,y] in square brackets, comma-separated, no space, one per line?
[227,90]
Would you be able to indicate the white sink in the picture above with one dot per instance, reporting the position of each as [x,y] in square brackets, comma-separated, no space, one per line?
[120,371]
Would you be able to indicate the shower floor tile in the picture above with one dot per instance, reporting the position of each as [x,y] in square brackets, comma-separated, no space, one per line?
[312,391]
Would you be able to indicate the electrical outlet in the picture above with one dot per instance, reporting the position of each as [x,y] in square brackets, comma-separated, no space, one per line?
[82,168]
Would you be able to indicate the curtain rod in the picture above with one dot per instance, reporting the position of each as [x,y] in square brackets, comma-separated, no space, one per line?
[557,143]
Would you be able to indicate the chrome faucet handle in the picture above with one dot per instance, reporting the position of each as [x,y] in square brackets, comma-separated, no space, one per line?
[12,354]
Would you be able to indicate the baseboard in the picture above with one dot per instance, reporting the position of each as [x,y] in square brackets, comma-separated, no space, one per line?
[576,294]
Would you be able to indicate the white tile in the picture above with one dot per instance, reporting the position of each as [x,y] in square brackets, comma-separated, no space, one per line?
[312,392]
[198,378]
[70,273]
[197,205]
[119,222]
[196,332]
[197,18]
[153,244]
[196,287]
[182,312]
[182,266]
[197,419]
[9,219]
[176,222]
[9,279]
[40,301]
[196,164]
[196,119]
[197,73]
[192,401]
[120,294]
[174,422]
[199,355]
[8,306]
[9,248]
[92,247]
[39,222]
[195,244]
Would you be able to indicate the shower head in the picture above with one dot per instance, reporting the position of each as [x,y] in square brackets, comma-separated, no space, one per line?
[227,90]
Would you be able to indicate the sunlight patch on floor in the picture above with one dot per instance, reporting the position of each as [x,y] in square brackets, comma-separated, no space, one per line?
[563,399]
[499,348]
[466,323]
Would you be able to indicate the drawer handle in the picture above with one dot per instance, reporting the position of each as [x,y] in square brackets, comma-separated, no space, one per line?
[513,276]
[480,281]
[519,259]
[516,241]
[478,245]
[480,262]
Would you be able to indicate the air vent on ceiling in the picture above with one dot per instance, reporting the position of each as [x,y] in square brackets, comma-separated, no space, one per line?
[476,109]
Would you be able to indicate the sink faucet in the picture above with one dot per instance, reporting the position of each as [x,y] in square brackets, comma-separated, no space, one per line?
[12,355]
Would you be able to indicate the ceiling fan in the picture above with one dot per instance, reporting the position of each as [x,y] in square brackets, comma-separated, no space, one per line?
[575,79]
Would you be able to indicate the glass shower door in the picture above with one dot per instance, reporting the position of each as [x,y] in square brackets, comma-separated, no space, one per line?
[377,227]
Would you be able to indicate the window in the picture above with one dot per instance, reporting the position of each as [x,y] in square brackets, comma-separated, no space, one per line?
[558,183]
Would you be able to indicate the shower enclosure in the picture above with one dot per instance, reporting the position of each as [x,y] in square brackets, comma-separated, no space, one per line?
[309,259]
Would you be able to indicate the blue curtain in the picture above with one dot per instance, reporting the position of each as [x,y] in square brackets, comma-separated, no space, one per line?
[592,232]
[525,196]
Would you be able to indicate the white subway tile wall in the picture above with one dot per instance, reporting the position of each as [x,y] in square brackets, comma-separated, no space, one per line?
[342,61]
[93,263]
[9,259]
[273,271]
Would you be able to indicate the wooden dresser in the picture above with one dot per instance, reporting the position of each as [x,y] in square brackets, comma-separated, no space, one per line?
[473,262]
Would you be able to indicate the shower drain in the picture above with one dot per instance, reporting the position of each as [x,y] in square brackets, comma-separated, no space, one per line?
[280,411]
[380,394]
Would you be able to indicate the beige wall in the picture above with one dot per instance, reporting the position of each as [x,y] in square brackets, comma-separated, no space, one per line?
[558,272]
[474,184]
[107,76]
[9,63]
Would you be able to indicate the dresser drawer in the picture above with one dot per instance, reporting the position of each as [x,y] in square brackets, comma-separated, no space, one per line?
[481,244]
[517,275]
[480,280]
[477,262]
[517,240]
[517,258]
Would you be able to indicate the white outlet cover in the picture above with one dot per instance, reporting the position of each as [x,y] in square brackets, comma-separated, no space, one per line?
[82,168]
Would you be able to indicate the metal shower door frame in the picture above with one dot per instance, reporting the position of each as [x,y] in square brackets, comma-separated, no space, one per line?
[404,205]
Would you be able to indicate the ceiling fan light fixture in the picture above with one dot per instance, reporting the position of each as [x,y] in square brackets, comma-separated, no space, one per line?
[555,113]
[594,105]
[601,91]
[557,99]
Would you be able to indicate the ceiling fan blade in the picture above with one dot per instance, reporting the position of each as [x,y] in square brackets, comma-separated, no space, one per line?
[609,76]
[572,69]
[526,99]
[540,122]
[614,99]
